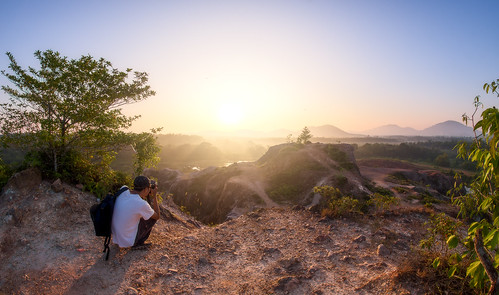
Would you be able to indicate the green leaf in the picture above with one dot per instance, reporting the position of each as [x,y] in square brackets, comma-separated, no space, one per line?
[473,227]
[456,257]
[436,262]
[452,241]
[496,222]
[474,268]
[492,238]
[452,271]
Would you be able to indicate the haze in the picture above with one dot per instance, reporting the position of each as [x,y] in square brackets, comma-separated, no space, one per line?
[265,65]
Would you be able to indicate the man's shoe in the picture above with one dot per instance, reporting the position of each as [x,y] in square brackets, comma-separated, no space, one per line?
[141,246]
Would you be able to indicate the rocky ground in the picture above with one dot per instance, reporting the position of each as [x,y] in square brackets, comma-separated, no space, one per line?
[48,247]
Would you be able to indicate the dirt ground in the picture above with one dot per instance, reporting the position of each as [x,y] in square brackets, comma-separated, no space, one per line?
[48,247]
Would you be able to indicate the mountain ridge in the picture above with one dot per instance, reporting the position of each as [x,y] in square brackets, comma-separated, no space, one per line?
[449,128]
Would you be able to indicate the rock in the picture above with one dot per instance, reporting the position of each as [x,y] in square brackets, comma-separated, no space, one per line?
[131,291]
[298,207]
[322,239]
[359,239]
[80,186]
[291,265]
[401,245]
[271,252]
[287,284]
[57,186]
[25,180]
[382,250]
[203,260]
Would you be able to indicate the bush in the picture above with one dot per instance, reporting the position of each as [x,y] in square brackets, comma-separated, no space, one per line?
[337,205]
[440,228]
[5,173]
[383,202]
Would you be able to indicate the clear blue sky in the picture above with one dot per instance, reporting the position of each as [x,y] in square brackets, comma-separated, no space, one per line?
[265,65]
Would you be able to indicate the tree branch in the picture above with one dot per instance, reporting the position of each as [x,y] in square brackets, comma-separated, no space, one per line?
[487,262]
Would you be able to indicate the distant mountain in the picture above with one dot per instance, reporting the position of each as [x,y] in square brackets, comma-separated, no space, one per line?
[447,128]
[392,130]
[329,131]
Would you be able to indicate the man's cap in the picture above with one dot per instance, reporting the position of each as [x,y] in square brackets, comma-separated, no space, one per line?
[141,182]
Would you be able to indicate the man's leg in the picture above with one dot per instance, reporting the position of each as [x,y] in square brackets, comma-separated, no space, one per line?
[145,227]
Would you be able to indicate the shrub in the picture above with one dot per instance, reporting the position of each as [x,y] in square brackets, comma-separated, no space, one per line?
[337,205]
[5,173]
[383,202]
[440,227]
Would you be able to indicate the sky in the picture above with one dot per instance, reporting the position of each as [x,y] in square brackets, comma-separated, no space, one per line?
[266,65]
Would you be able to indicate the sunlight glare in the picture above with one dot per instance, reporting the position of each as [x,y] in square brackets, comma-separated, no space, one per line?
[230,113]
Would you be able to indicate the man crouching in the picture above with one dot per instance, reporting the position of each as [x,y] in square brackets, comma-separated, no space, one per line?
[133,217]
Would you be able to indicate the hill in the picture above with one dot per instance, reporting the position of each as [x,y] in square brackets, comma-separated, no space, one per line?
[447,129]
[48,245]
[285,175]
[329,131]
[392,130]
[278,251]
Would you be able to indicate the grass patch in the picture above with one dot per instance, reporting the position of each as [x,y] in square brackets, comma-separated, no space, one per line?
[398,178]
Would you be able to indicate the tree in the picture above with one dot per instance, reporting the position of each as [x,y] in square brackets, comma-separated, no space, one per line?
[146,150]
[69,108]
[305,136]
[482,201]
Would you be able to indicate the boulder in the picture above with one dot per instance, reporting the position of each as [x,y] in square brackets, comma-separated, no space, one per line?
[25,180]
[57,186]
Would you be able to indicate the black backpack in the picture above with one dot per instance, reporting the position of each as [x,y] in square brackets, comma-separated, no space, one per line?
[102,217]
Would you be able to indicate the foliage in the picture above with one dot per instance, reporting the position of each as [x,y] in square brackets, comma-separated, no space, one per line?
[69,106]
[5,173]
[398,177]
[442,160]
[383,202]
[337,204]
[440,227]
[305,136]
[146,148]
[340,157]
[67,116]
[481,202]
[432,280]
[428,152]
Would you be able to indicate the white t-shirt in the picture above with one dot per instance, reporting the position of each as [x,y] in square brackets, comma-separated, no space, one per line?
[128,209]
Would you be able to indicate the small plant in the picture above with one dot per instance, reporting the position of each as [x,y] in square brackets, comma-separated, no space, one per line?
[440,228]
[383,202]
[398,178]
[428,199]
[401,189]
[185,210]
[337,205]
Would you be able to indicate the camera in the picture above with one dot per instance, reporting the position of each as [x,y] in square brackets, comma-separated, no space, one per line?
[153,184]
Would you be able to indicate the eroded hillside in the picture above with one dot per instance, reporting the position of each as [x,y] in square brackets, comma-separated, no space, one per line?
[278,247]
[285,175]
[48,247]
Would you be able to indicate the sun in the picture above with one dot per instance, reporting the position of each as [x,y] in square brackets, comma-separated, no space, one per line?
[230,113]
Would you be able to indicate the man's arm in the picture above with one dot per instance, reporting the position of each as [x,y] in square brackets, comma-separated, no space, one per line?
[155,205]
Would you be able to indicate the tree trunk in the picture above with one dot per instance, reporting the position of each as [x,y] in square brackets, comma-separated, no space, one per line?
[487,262]
[55,160]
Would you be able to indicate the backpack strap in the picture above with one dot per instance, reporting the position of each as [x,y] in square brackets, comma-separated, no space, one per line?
[106,246]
